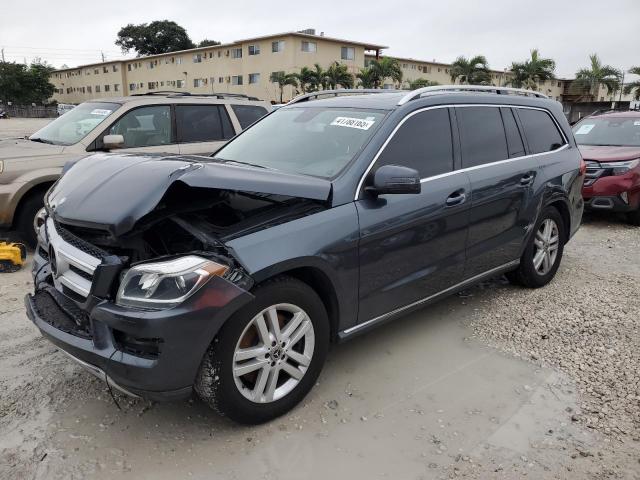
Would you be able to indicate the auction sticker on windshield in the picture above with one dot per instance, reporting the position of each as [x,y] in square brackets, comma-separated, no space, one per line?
[584,129]
[101,112]
[353,123]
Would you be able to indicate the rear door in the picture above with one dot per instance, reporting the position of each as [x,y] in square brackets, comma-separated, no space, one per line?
[413,246]
[202,129]
[502,177]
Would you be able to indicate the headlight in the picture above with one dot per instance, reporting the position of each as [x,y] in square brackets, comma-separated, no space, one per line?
[163,285]
[620,168]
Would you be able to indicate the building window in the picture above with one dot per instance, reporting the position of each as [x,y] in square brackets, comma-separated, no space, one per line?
[129,67]
[95,70]
[254,77]
[197,82]
[97,88]
[179,83]
[105,70]
[197,58]
[220,79]
[254,49]
[132,86]
[277,46]
[178,60]
[309,47]
[236,80]
[413,67]
[116,87]
[114,68]
[236,52]
[151,85]
[107,88]
[347,53]
[88,90]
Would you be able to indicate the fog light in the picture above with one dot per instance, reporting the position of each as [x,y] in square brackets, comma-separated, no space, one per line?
[625,197]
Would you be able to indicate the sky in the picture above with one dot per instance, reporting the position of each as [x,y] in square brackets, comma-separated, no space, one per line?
[71,33]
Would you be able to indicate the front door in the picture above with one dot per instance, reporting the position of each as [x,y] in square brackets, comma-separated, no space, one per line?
[146,129]
[413,246]
[502,179]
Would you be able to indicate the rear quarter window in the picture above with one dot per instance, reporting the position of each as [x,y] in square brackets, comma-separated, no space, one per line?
[247,114]
[541,131]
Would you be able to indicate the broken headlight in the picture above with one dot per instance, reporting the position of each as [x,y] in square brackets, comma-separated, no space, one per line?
[620,168]
[161,285]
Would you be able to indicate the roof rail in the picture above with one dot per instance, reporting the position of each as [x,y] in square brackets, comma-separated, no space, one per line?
[172,93]
[415,94]
[340,91]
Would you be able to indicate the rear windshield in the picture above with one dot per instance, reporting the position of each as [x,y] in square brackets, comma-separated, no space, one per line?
[309,140]
[612,131]
[76,124]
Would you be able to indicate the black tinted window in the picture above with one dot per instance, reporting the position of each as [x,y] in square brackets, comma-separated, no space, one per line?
[481,135]
[423,143]
[202,123]
[514,141]
[540,130]
[247,114]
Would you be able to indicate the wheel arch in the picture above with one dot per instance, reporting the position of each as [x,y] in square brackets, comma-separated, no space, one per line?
[561,204]
[37,189]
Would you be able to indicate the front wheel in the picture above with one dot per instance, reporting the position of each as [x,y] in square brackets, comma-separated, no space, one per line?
[543,253]
[634,217]
[268,355]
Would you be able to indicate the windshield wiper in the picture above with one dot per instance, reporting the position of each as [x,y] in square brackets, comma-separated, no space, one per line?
[222,160]
[41,140]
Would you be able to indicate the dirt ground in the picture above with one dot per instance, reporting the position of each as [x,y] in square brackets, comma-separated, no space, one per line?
[467,388]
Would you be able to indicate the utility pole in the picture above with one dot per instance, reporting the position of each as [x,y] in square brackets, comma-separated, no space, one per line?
[621,87]
[2,54]
[102,54]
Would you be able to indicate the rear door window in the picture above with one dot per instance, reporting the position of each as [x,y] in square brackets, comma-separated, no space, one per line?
[541,131]
[482,136]
[423,143]
[247,114]
[514,140]
[202,123]
[145,126]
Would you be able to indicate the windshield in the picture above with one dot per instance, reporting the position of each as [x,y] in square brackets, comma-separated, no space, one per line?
[612,131]
[74,125]
[312,141]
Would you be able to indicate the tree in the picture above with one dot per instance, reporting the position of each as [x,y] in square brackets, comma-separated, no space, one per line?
[597,75]
[283,79]
[367,77]
[208,43]
[386,67]
[422,82]
[633,86]
[307,80]
[337,74]
[472,71]
[156,37]
[530,73]
[319,77]
[24,85]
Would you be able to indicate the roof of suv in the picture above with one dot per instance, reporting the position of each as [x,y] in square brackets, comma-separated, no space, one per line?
[617,114]
[172,97]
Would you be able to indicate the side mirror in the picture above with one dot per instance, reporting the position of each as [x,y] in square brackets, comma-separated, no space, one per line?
[113,141]
[394,179]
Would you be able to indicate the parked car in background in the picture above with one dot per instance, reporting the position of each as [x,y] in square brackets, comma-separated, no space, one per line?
[63,108]
[610,146]
[160,122]
[233,274]
[3,114]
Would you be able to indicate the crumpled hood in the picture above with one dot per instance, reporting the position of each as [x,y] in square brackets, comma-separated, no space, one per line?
[601,153]
[115,191]
[17,148]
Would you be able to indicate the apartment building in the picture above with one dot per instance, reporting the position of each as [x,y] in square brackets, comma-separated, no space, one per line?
[244,66]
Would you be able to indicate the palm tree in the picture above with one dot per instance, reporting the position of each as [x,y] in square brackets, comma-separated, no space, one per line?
[530,73]
[472,71]
[337,74]
[386,67]
[422,82]
[597,75]
[319,78]
[367,77]
[283,79]
[633,86]
[306,80]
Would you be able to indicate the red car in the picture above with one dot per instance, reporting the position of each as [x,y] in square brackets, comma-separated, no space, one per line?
[610,146]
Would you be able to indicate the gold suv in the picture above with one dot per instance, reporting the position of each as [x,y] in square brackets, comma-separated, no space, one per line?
[162,122]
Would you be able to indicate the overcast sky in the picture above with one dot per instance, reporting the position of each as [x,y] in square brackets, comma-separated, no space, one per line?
[74,33]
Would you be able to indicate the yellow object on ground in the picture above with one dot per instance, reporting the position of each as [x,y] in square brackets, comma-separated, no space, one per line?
[12,256]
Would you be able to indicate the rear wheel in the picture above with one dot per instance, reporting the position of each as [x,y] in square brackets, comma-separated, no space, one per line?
[543,253]
[268,355]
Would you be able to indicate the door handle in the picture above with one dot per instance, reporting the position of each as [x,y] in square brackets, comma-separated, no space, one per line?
[527,179]
[456,198]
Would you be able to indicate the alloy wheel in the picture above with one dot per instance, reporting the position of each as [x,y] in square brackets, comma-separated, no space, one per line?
[546,241]
[273,353]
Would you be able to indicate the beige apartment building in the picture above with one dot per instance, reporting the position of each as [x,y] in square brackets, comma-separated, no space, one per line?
[245,67]
[242,67]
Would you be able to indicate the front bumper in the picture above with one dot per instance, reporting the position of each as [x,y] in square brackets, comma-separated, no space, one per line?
[150,354]
[615,193]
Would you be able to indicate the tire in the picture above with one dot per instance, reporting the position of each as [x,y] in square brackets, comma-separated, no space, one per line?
[26,214]
[238,397]
[527,274]
[634,217]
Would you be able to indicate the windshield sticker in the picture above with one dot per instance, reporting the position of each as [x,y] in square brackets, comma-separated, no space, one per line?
[584,129]
[636,123]
[353,123]
[101,112]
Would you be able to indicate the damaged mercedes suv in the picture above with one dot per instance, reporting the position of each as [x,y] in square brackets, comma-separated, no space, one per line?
[231,275]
